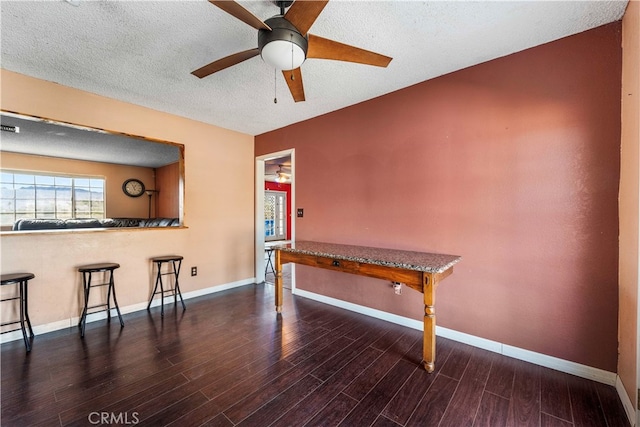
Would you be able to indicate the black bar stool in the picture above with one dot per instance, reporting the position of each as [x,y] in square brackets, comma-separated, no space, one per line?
[176,262]
[87,271]
[22,280]
[269,264]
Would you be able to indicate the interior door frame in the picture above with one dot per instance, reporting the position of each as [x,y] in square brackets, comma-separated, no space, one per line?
[259,211]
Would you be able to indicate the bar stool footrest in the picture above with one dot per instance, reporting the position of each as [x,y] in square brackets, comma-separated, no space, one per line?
[10,323]
[174,261]
[87,272]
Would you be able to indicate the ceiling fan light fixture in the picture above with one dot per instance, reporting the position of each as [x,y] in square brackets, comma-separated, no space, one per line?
[283,48]
[283,55]
[281,176]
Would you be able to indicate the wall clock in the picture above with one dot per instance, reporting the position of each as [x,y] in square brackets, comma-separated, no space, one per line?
[133,187]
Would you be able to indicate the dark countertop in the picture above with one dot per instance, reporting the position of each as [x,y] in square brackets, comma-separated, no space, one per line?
[410,260]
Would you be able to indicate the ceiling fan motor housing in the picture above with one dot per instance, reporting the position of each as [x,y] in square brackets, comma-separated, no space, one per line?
[284,48]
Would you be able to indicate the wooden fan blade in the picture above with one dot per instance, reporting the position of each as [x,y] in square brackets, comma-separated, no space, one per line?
[322,48]
[225,62]
[303,13]
[238,11]
[295,85]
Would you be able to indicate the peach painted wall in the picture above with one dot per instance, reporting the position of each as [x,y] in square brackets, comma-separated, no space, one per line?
[118,204]
[218,239]
[629,201]
[512,164]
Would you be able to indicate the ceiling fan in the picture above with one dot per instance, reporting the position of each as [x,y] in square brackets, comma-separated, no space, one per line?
[285,43]
[279,175]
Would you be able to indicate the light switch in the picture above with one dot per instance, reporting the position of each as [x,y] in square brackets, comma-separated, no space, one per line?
[300,213]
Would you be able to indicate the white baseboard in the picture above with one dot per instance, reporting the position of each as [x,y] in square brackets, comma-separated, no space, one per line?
[73,321]
[214,289]
[626,402]
[562,365]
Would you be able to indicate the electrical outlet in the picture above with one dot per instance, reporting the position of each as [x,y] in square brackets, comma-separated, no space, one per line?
[300,212]
[397,288]
[194,271]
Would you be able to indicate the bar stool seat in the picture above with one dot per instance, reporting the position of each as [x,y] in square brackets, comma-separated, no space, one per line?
[87,272]
[22,280]
[175,262]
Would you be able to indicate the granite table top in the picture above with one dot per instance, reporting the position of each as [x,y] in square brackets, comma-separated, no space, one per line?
[409,260]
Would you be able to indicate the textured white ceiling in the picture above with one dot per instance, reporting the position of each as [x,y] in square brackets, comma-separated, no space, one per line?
[143,52]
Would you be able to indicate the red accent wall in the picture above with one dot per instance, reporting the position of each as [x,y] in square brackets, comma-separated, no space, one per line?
[513,164]
[277,186]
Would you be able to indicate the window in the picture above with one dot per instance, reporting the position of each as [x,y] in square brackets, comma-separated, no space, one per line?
[25,195]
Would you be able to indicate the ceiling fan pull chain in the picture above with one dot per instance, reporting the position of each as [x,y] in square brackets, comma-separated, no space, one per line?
[275,84]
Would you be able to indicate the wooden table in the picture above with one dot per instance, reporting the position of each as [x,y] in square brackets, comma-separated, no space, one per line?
[418,270]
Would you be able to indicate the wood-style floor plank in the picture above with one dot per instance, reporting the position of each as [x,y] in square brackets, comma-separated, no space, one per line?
[493,411]
[551,421]
[456,363]
[371,405]
[334,412]
[554,397]
[402,405]
[465,401]
[383,421]
[359,388]
[271,411]
[609,399]
[230,360]
[524,408]
[434,403]
[501,376]
[588,411]
[136,394]
[264,394]
[174,411]
[300,413]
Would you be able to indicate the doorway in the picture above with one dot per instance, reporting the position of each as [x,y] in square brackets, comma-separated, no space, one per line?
[274,183]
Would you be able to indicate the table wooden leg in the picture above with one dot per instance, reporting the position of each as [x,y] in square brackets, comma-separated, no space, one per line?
[278,280]
[429,337]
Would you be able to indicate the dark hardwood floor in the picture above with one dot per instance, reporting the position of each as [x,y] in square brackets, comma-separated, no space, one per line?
[230,360]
